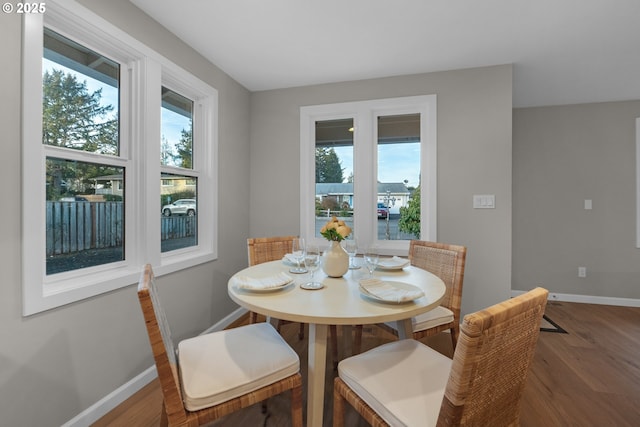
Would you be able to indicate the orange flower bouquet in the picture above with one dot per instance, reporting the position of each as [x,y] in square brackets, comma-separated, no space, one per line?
[335,230]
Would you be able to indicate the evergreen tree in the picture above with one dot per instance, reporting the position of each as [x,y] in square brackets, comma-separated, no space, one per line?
[184,157]
[328,167]
[74,118]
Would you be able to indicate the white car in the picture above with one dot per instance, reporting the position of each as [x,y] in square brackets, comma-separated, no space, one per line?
[180,207]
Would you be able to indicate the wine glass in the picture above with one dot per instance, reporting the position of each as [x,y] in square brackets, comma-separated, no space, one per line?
[351,246]
[297,253]
[312,263]
[371,257]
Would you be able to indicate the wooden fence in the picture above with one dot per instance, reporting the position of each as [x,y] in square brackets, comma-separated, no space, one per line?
[177,227]
[79,226]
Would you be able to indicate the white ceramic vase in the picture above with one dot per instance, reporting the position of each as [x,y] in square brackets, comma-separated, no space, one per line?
[335,260]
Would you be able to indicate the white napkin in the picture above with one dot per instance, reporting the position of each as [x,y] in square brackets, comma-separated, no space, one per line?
[289,258]
[387,291]
[394,262]
[280,279]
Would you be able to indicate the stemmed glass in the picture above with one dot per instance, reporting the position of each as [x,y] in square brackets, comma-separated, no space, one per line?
[312,263]
[351,246]
[297,253]
[371,257]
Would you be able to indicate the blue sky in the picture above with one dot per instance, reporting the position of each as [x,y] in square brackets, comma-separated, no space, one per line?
[396,162]
[172,125]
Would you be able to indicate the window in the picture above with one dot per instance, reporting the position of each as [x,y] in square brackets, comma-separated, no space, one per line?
[80,115]
[113,133]
[179,224]
[368,163]
[334,177]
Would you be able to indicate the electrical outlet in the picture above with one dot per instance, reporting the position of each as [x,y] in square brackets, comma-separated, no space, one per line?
[582,271]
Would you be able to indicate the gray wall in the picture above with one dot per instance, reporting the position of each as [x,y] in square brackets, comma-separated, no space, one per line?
[474,157]
[55,364]
[562,156]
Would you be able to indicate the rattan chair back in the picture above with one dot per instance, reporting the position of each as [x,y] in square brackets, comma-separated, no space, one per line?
[265,249]
[162,346]
[446,261]
[491,363]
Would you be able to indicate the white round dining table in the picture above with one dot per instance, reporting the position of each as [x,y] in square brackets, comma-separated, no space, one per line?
[339,302]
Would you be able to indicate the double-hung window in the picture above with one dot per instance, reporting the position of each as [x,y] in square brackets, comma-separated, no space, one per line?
[372,164]
[119,156]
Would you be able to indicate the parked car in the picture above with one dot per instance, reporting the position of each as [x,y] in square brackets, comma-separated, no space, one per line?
[383,212]
[74,199]
[180,207]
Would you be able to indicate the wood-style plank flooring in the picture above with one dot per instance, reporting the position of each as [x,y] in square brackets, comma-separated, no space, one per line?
[588,377]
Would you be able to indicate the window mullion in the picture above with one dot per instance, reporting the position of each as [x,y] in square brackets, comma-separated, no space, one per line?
[148,159]
[364,182]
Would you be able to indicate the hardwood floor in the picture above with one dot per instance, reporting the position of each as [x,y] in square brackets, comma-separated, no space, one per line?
[587,377]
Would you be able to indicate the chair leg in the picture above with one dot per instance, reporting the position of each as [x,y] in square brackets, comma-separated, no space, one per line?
[357,341]
[164,421]
[296,406]
[338,408]
[301,331]
[333,342]
[454,337]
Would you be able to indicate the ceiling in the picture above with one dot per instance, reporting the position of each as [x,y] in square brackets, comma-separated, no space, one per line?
[562,51]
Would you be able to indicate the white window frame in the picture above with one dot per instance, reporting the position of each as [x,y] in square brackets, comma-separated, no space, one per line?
[364,115]
[143,72]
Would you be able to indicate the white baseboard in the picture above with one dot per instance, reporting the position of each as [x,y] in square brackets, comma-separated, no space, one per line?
[108,403]
[112,400]
[587,299]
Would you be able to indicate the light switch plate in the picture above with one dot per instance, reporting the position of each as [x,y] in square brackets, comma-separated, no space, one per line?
[484,201]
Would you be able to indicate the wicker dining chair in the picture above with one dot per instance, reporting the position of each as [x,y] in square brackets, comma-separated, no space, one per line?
[265,249]
[447,262]
[408,383]
[215,374]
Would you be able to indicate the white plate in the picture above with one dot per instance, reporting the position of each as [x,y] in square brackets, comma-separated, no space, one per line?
[398,285]
[392,263]
[265,290]
[279,281]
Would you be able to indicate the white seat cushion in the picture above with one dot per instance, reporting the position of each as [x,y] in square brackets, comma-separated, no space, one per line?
[432,318]
[220,366]
[403,381]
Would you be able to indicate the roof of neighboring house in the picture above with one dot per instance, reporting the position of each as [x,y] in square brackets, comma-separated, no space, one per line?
[117,177]
[328,188]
